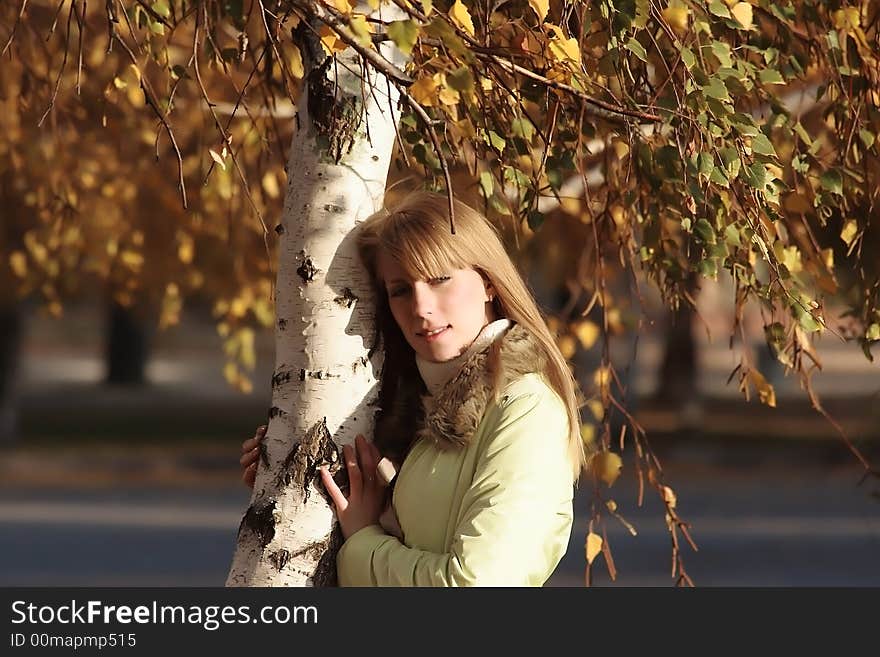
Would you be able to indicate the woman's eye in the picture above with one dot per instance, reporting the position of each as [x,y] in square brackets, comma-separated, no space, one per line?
[440,279]
[398,291]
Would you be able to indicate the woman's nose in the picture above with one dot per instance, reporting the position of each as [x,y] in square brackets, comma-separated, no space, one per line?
[423,301]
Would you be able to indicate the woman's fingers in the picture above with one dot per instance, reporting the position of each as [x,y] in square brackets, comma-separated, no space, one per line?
[367,459]
[249,458]
[333,490]
[254,442]
[355,481]
[249,475]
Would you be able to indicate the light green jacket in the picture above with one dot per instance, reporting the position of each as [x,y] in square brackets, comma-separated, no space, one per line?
[496,512]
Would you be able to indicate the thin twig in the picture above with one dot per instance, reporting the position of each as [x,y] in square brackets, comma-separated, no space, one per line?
[429,125]
[150,98]
[14,27]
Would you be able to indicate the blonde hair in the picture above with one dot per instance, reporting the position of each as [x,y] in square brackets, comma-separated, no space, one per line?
[416,233]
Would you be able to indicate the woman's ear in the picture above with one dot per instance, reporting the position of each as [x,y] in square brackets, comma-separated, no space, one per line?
[490,291]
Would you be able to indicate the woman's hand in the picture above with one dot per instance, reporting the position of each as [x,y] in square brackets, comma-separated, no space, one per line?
[250,456]
[367,493]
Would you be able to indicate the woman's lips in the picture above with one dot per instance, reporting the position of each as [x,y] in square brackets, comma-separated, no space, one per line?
[432,337]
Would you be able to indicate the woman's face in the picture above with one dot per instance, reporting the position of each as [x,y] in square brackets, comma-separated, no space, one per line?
[441,317]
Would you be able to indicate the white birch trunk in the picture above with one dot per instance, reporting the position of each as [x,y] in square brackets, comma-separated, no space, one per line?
[324,389]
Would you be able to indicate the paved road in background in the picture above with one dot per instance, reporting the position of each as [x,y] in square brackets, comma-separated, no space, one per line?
[782,523]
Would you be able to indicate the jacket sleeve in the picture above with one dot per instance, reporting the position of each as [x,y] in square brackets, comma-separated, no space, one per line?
[515,518]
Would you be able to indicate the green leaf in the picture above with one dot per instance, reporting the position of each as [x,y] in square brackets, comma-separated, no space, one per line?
[801,132]
[461,80]
[873,332]
[732,162]
[637,49]
[722,53]
[705,231]
[731,235]
[762,146]
[404,34]
[522,127]
[495,140]
[687,56]
[832,181]
[805,318]
[161,7]
[867,138]
[716,89]
[755,175]
[643,9]
[719,9]
[770,76]
[487,183]
[717,176]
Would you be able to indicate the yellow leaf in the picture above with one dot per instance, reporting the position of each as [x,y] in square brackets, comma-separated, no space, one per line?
[270,185]
[587,332]
[564,49]
[18,262]
[216,157]
[329,41]
[424,91]
[602,377]
[449,96]
[238,308]
[588,434]
[567,346]
[462,17]
[828,258]
[247,354]
[850,229]
[596,409]
[669,497]
[185,248]
[541,8]
[766,393]
[677,17]
[742,12]
[132,259]
[847,19]
[230,372]
[607,466]
[342,6]
[612,505]
[593,546]
[296,62]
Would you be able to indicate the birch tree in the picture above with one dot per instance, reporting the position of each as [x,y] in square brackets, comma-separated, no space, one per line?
[680,139]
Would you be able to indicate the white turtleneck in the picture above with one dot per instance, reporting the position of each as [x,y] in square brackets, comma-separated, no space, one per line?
[436,375]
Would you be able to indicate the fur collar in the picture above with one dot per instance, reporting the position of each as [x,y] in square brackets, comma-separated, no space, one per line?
[452,417]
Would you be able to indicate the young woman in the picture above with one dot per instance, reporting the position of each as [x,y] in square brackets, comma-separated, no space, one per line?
[478,407]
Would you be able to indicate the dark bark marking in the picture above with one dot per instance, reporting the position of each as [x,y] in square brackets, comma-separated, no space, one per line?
[347,299]
[276,412]
[316,374]
[314,450]
[307,270]
[279,559]
[260,519]
[325,572]
[282,324]
[280,377]
[279,229]
[336,120]
[360,362]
